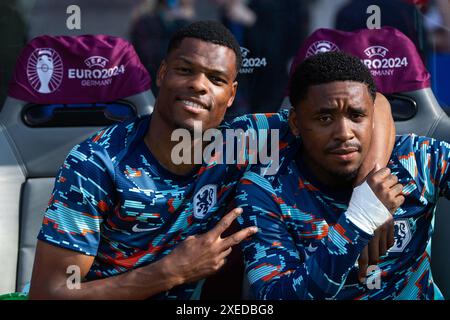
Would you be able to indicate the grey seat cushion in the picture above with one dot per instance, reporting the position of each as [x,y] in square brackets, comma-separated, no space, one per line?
[11,180]
[29,160]
[35,196]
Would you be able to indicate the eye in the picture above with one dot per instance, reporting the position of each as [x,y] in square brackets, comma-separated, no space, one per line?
[183,70]
[356,115]
[325,118]
[217,80]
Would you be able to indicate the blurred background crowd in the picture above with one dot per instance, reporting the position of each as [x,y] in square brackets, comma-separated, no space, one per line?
[269,32]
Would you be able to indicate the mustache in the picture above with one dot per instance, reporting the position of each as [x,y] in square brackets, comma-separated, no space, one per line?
[339,145]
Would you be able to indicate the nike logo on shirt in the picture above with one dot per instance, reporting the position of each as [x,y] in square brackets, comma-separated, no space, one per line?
[137,229]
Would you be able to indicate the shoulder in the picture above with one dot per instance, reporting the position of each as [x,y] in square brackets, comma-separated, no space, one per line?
[258,180]
[257,121]
[412,143]
[112,142]
[259,196]
[253,180]
[424,158]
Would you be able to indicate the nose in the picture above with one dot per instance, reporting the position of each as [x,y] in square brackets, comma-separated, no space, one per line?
[343,130]
[199,83]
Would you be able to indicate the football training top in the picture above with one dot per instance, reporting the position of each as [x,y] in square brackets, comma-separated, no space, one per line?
[113,200]
[306,248]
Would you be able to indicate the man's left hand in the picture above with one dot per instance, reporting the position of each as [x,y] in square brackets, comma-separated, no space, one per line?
[381,242]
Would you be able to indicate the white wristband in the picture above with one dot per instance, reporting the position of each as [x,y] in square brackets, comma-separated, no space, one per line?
[365,210]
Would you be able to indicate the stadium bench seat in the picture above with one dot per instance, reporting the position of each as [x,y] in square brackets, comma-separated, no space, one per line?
[63,90]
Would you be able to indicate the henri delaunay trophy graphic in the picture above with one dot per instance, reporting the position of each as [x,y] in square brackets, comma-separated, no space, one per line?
[45,70]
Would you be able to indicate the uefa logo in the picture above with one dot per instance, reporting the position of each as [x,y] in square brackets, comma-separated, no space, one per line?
[244,52]
[320,47]
[45,70]
[96,61]
[376,51]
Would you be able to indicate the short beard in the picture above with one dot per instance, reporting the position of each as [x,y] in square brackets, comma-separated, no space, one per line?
[343,178]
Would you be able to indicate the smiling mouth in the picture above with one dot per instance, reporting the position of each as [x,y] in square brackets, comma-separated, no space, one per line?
[194,105]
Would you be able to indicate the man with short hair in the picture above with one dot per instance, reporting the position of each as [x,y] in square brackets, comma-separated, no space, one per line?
[134,222]
[313,225]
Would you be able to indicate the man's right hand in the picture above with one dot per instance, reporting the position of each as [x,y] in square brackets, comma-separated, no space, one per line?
[194,258]
[202,255]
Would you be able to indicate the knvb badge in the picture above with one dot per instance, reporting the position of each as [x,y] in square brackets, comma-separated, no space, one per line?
[204,200]
[402,235]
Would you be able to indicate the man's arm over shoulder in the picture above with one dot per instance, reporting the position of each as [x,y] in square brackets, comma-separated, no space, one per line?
[268,142]
[383,139]
[276,120]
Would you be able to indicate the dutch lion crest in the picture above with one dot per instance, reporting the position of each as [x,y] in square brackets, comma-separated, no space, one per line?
[402,235]
[204,200]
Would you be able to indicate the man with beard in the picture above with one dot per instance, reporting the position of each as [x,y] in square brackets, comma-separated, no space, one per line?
[313,225]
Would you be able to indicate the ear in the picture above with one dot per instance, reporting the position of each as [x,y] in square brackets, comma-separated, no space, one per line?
[162,70]
[293,122]
[233,94]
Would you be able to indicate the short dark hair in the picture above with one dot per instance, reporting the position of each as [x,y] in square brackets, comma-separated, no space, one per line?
[328,67]
[210,31]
